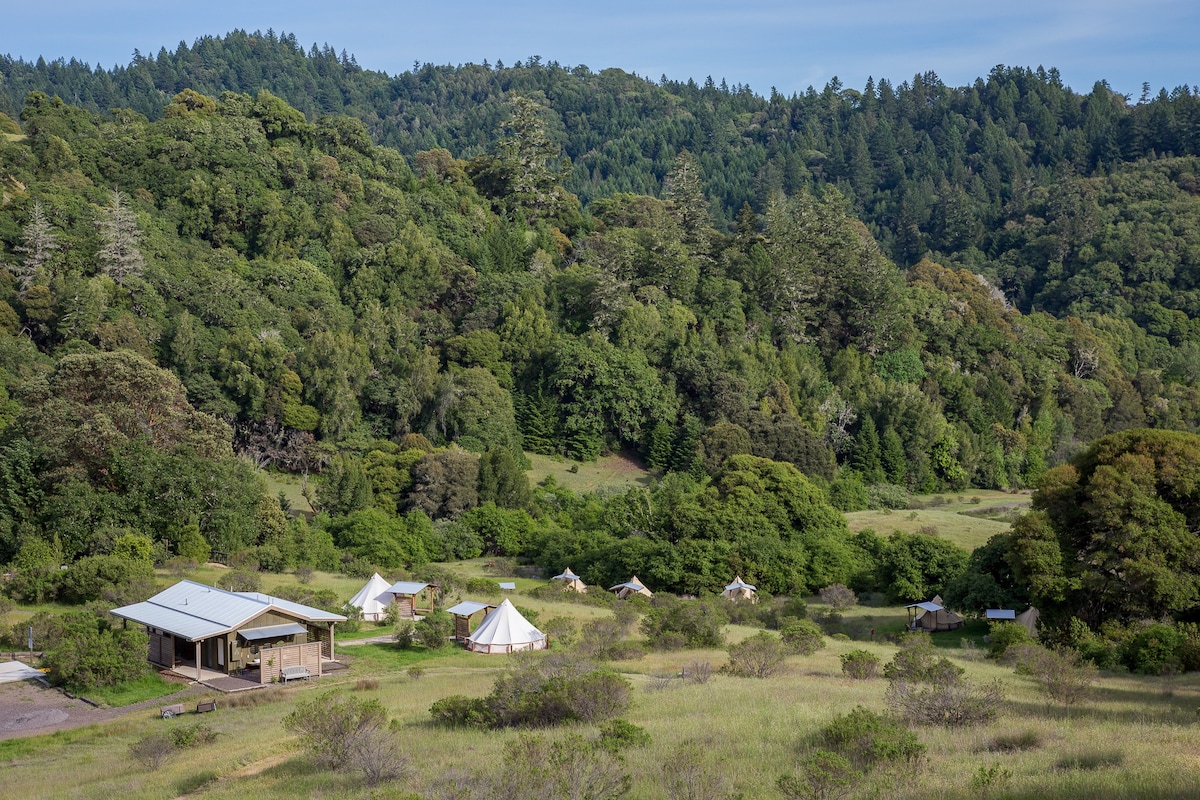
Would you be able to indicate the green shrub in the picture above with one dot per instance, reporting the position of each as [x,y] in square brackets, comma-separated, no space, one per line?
[860,664]
[1154,649]
[1003,635]
[458,710]
[886,495]
[539,693]
[88,654]
[333,726]
[193,735]
[759,656]
[920,663]
[435,630]
[867,739]
[618,734]
[672,623]
[822,775]
[484,586]
[802,637]
[952,705]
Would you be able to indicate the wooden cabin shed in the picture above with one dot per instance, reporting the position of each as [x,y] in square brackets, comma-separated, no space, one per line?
[196,629]
[412,598]
[467,615]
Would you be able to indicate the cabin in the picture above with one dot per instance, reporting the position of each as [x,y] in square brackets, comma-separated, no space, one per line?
[412,598]
[467,615]
[204,632]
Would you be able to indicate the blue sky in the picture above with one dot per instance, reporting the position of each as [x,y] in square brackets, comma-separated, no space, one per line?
[762,43]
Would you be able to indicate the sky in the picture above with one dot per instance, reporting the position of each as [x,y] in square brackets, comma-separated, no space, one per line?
[788,45]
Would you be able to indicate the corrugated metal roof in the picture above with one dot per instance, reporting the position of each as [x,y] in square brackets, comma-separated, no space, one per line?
[468,607]
[272,631]
[194,611]
[508,585]
[406,587]
[1001,613]
[308,612]
[925,606]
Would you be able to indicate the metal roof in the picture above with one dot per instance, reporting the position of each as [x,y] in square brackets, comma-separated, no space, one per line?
[739,584]
[193,611]
[1001,613]
[566,576]
[925,606]
[628,585]
[508,585]
[468,607]
[406,587]
[308,612]
[272,631]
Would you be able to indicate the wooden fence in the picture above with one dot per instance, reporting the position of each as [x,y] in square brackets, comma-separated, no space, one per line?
[274,659]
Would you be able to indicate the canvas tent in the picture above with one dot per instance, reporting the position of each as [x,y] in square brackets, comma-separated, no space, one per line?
[630,588]
[1029,618]
[505,631]
[373,599]
[571,581]
[932,617]
[739,590]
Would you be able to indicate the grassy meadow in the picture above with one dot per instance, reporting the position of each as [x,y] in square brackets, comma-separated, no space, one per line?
[1136,738]
[968,520]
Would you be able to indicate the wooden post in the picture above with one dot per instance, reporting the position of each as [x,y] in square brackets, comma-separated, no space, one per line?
[331,640]
[197,660]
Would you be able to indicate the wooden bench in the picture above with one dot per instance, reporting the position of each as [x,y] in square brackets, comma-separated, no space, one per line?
[292,673]
[202,708]
[167,712]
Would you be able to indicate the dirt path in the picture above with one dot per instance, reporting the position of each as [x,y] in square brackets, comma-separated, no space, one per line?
[29,709]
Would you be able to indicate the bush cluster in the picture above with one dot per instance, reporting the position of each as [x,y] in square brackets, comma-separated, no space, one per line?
[860,664]
[541,693]
[673,623]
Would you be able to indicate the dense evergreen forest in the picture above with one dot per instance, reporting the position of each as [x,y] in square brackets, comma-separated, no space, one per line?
[239,255]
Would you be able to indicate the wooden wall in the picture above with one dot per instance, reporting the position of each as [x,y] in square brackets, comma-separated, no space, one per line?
[308,655]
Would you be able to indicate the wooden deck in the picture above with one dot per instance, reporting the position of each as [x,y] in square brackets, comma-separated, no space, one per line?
[234,683]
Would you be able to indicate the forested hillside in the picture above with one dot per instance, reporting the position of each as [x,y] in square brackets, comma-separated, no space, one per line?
[1044,190]
[786,306]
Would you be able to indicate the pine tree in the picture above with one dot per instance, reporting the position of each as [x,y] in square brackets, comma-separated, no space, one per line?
[38,242]
[119,256]
[893,460]
[867,452]
[535,164]
[685,188]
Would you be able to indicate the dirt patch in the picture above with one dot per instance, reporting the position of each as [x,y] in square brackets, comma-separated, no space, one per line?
[19,720]
[30,709]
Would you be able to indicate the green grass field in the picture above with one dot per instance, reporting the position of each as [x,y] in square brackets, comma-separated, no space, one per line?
[966,532]
[615,472]
[1137,738]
